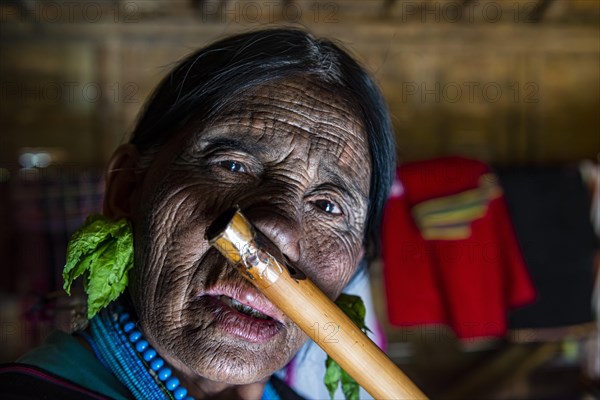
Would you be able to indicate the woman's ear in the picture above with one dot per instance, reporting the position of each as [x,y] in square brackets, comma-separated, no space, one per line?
[121,183]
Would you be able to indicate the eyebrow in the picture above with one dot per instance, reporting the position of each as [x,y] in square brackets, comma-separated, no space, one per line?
[347,186]
[210,142]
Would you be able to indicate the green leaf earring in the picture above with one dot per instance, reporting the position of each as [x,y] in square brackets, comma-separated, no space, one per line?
[102,249]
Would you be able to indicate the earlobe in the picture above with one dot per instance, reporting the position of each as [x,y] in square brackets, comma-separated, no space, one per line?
[121,183]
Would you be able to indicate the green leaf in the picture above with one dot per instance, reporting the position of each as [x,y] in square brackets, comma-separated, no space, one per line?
[333,375]
[102,249]
[354,307]
[349,387]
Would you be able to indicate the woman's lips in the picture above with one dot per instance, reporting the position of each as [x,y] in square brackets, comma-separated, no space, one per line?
[246,295]
[234,322]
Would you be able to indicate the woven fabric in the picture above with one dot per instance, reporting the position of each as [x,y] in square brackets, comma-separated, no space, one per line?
[465,279]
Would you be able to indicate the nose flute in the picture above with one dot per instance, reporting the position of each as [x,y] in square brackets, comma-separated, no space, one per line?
[261,263]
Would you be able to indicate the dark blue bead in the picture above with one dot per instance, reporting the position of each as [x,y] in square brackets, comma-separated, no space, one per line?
[157,364]
[135,336]
[129,327]
[141,345]
[180,393]
[172,383]
[124,317]
[164,374]
[149,354]
[189,398]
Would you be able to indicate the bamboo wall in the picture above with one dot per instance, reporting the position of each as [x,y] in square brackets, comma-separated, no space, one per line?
[490,84]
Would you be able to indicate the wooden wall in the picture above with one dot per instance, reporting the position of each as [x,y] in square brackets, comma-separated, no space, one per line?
[491,84]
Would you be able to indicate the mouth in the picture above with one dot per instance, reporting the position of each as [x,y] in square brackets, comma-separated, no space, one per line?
[243,308]
[237,318]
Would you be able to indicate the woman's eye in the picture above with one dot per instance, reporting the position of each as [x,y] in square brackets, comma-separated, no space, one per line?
[328,207]
[233,166]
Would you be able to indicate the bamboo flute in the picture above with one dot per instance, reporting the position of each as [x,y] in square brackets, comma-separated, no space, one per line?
[261,262]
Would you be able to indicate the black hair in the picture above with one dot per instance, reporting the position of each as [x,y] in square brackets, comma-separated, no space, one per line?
[207,81]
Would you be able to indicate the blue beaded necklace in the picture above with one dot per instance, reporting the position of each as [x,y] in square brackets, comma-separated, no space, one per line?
[120,346]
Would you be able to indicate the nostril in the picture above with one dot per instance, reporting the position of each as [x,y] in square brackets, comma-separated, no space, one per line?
[294,271]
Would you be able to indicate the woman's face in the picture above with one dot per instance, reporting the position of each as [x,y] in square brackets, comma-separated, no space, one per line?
[293,156]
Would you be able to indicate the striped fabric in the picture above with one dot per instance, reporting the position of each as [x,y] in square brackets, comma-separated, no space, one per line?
[450,217]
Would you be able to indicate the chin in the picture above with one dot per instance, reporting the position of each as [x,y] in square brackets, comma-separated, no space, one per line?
[238,375]
[237,367]
[210,354]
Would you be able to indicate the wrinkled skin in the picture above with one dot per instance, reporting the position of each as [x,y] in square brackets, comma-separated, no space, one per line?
[296,160]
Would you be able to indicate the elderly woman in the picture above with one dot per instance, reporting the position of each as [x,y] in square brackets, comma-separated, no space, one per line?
[292,130]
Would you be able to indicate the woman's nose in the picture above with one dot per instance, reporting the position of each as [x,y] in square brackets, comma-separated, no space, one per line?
[282,230]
